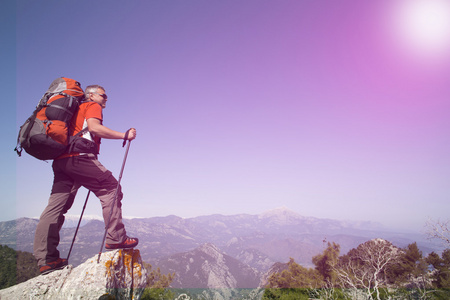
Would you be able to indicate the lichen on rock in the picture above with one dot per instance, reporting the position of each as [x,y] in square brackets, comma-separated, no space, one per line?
[119,273]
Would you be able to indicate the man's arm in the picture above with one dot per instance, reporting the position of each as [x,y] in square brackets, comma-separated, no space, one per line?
[99,130]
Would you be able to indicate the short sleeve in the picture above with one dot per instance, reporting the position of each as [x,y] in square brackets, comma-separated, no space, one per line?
[94,111]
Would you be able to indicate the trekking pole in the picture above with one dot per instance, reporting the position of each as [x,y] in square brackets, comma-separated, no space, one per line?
[78,226]
[114,202]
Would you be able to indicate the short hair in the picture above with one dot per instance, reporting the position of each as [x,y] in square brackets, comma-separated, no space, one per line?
[93,88]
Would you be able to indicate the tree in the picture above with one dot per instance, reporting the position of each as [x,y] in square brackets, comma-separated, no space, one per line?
[295,276]
[409,265]
[439,230]
[324,265]
[441,266]
[292,283]
[364,269]
[16,266]
[326,260]
[411,271]
[157,284]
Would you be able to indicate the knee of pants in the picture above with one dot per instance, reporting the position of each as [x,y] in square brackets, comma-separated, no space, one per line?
[119,198]
[69,203]
[110,196]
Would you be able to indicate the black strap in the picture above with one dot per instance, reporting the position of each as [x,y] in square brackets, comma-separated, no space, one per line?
[126,137]
[60,107]
[82,131]
[79,134]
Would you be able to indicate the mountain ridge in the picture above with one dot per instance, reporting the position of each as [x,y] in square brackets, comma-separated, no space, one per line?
[207,267]
[257,240]
[274,216]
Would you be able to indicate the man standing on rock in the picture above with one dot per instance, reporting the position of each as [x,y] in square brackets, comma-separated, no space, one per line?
[80,167]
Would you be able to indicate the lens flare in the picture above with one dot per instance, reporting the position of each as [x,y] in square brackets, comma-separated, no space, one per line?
[422,27]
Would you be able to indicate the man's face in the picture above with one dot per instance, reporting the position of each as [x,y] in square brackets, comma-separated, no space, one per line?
[99,97]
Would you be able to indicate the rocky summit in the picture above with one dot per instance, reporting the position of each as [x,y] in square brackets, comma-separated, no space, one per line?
[119,274]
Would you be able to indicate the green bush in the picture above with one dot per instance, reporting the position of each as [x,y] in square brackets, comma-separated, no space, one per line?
[285,294]
[16,267]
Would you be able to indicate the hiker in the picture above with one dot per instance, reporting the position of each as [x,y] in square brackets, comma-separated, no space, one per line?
[74,169]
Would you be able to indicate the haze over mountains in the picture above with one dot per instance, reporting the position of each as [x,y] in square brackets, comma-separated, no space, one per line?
[235,251]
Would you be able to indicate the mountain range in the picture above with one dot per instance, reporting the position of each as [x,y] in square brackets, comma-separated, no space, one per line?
[216,251]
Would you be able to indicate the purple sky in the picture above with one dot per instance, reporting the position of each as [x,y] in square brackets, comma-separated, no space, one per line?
[330,108]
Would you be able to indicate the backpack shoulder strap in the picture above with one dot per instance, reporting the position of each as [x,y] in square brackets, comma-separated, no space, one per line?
[82,131]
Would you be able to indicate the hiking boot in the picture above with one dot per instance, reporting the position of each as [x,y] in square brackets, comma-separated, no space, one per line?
[53,266]
[128,243]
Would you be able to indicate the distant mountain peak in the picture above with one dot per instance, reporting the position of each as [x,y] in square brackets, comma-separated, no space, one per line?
[211,250]
[279,210]
[72,220]
[281,216]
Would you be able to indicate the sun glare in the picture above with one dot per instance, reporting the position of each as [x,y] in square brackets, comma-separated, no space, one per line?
[422,26]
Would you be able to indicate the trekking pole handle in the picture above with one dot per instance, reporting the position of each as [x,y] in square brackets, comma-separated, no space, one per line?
[125,138]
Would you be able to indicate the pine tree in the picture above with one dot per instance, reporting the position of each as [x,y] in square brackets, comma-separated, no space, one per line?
[16,267]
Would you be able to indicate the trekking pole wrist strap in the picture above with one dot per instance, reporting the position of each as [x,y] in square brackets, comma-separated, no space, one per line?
[125,138]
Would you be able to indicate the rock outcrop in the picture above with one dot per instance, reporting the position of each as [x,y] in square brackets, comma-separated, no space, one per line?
[119,273]
[206,267]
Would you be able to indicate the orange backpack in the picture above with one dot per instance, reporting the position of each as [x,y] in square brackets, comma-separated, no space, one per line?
[45,134]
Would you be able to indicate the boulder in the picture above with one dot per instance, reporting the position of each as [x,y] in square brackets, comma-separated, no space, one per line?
[120,274]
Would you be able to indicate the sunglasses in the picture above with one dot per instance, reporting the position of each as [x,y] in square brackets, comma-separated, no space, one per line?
[104,96]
